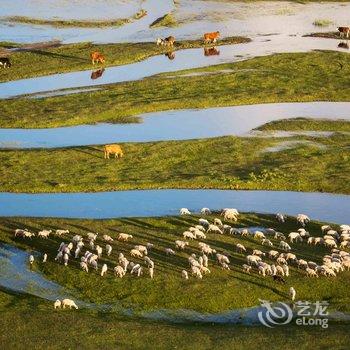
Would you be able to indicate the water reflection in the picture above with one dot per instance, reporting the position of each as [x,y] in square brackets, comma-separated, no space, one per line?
[170,55]
[97,73]
[211,51]
[343,45]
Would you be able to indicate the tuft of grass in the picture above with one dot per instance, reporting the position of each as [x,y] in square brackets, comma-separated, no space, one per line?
[229,163]
[322,22]
[167,20]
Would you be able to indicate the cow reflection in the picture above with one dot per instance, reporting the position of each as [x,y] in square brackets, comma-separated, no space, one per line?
[211,51]
[344,45]
[97,74]
[170,55]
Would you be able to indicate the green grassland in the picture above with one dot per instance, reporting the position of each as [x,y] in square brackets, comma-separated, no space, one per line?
[33,322]
[168,290]
[73,57]
[321,165]
[293,77]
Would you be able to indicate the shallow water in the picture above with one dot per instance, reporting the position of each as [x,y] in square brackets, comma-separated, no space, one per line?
[185,59]
[195,17]
[152,203]
[174,125]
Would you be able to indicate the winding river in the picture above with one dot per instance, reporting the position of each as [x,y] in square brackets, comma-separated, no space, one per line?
[184,59]
[174,125]
[153,203]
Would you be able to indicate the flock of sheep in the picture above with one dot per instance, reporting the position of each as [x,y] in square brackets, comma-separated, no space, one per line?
[89,252]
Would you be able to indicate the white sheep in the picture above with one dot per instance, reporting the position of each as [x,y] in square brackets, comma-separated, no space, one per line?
[253,259]
[267,242]
[65,259]
[184,211]
[142,249]
[98,251]
[246,268]
[204,223]
[199,234]
[286,270]
[292,293]
[149,262]
[259,235]
[258,252]
[149,246]
[196,272]
[84,266]
[124,237]
[222,259]
[180,244]
[57,304]
[240,248]
[214,229]
[218,222]
[104,269]
[280,217]
[119,271]
[295,236]
[205,211]
[45,258]
[184,274]
[273,254]
[108,249]
[151,272]
[303,219]
[44,233]
[94,265]
[280,235]
[136,253]
[330,243]
[205,260]
[31,259]
[285,246]
[70,303]
[310,272]
[169,251]
[189,235]
[107,238]
[230,214]
[61,232]
[92,236]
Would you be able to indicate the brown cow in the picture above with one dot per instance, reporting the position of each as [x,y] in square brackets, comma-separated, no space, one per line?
[344,31]
[169,41]
[211,51]
[211,37]
[97,73]
[343,45]
[97,57]
[113,149]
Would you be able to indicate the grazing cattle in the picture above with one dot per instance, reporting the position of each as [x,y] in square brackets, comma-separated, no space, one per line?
[211,37]
[343,45]
[344,31]
[5,62]
[169,41]
[113,149]
[97,74]
[97,57]
[170,55]
[211,51]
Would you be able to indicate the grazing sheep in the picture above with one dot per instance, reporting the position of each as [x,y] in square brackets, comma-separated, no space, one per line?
[214,229]
[93,264]
[292,293]
[280,217]
[259,235]
[70,303]
[200,228]
[280,235]
[124,237]
[76,253]
[104,269]
[295,236]
[84,266]
[218,222]
[286,270]
[267,242]
[107,238]
[240,248]
[45,258]
[253,259]
[31,259]
[245,232]
[184,211]
[196,272]
[302,264]
[136,253]
[149,262]
[330,243]
[44,233]
[61,232]
[181,245]
[65,259]
[205,211]
[258,252]
[261,270]
[303,219]
[119,271]
[204,270]
[98,251]
[108,249]
[303,233]
[230,214]
[246,268]
[199,234]
[184,274]
[92,236]
[24,233]
[57,304]
[285,246]
[142,249]
[273,254]
[92,244]
[280,270]
[281,261]
[290,256]
[189,235]
[169,251]
[222,259]
[310,272]
[149,246]
[151,272]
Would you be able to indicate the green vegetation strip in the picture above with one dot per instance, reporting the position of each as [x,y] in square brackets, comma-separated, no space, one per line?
[73,57]
[60,23]
[327,35]
[33,322]
[321,165]
[168,289]
[294,77]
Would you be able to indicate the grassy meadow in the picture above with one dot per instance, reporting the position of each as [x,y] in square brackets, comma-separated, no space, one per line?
[294,77]
[167,289]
